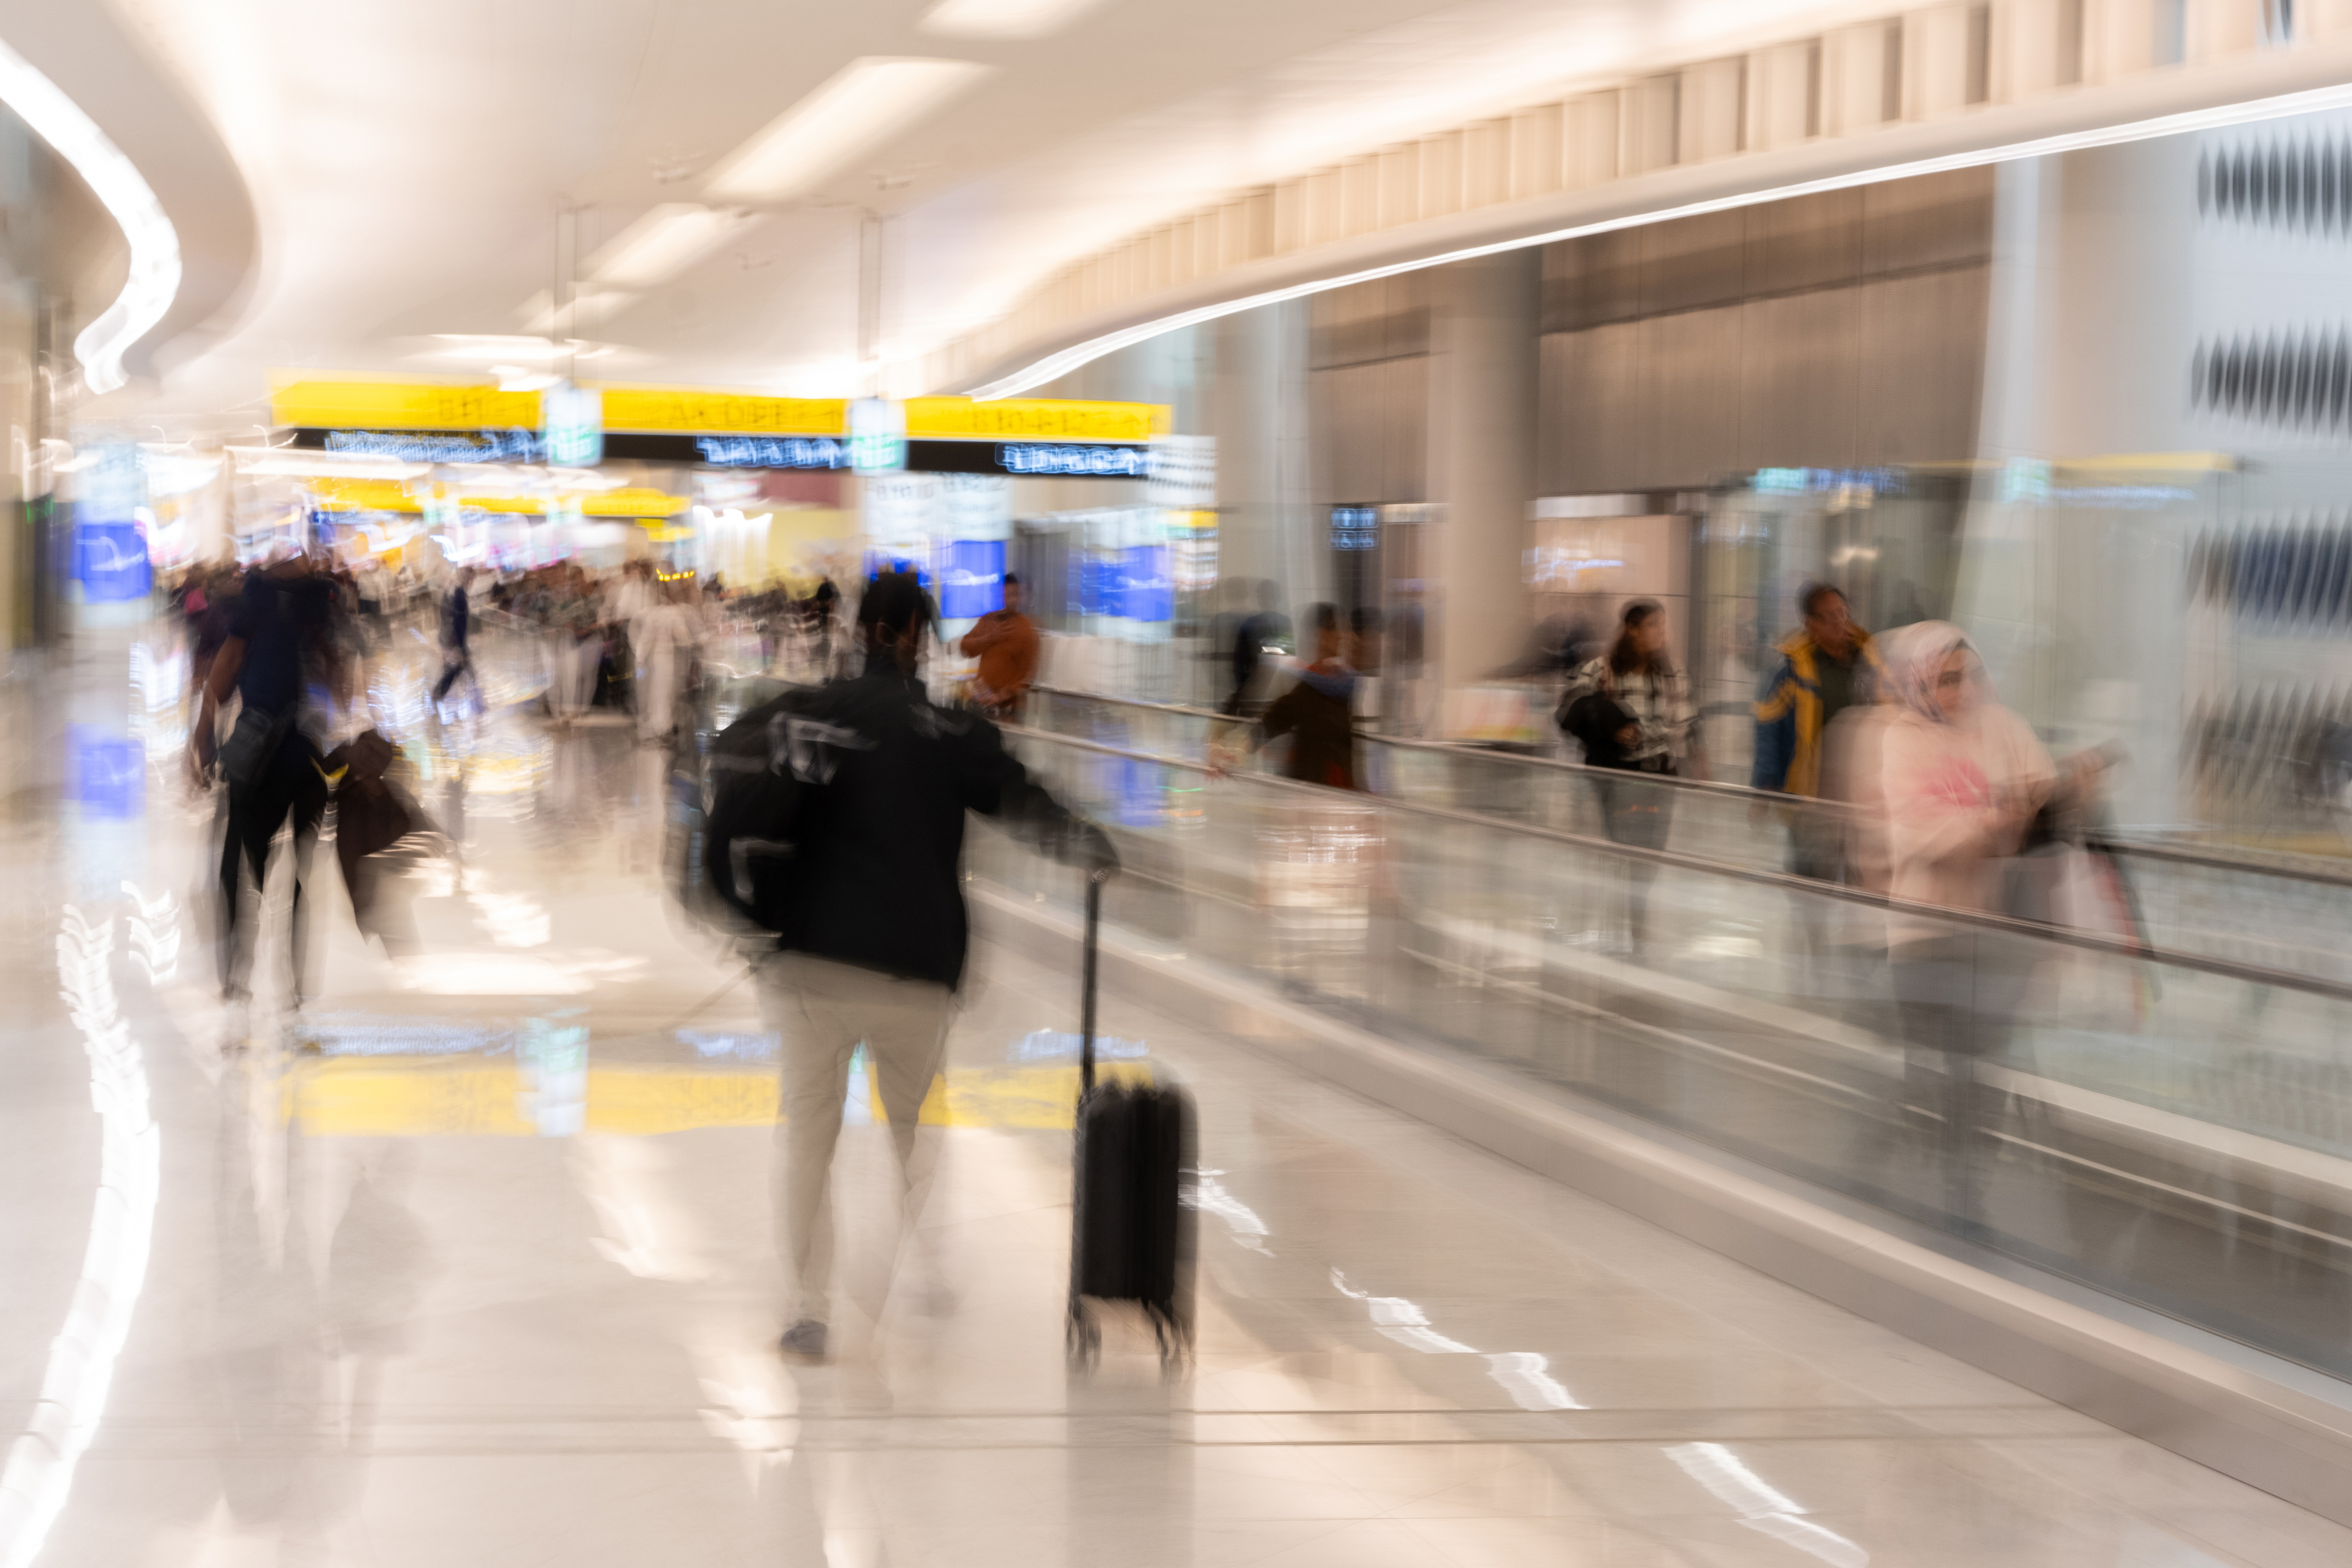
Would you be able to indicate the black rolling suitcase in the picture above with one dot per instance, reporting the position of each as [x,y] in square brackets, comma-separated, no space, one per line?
[1132,1232]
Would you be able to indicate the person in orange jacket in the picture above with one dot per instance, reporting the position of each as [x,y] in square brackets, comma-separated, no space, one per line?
[1005,644]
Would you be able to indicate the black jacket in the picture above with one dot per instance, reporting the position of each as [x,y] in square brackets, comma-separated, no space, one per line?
[1324,725]
[864,863]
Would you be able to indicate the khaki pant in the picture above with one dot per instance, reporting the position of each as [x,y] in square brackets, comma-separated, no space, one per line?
[823,1010]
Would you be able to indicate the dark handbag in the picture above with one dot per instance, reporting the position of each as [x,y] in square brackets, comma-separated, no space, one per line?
[1593,720]
[369,818]
[252,745]
[367,755]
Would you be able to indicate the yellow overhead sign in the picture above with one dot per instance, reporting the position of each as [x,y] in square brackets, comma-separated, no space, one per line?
[364,405]
[391,495]
[408,405]
[633,503]
[364,496]
[687,411]
[401,405]
[1032,418]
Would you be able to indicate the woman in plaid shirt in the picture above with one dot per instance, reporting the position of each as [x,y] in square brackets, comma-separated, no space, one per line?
[1651,688]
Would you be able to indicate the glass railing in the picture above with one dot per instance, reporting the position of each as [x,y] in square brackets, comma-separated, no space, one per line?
[2174,1129]
[1720,822]
[2295,917]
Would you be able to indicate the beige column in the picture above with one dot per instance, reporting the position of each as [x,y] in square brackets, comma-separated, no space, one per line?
[1482,423]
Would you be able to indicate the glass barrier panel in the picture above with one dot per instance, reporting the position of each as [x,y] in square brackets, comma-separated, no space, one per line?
[2299,923]
[2174,1135]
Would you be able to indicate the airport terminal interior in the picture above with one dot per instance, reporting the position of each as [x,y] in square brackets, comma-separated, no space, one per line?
[1420,784]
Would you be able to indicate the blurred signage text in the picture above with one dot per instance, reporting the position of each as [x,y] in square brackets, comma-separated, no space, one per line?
[772,450]
[1033,419]
[1090,462]
[1802,481]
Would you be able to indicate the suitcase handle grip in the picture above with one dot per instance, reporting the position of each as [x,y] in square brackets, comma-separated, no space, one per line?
[1095,880]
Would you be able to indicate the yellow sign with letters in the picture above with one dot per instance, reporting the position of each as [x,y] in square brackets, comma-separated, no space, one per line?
[364,496]
[360,403]
[401,405]
[633,503]
[1032,418]
[691,411]
[391,495]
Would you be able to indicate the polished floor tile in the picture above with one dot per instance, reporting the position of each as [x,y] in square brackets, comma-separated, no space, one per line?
[473,1263]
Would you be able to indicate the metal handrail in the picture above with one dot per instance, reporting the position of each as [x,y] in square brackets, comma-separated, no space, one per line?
[1184,708]
[2005,924]
[2138,847]
[2146,850]
[1480,753]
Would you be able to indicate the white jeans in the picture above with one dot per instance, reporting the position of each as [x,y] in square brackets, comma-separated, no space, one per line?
[570,673]
[823,1010]
[657,689]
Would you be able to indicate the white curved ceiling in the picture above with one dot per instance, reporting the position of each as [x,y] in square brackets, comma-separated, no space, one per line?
[407,161]
[145,147]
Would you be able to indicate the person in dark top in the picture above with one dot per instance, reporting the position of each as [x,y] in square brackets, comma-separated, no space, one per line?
[456,626]
[825,600]
[208,627]
[864,894]
[1269,628]
[278,641]
[1318,712]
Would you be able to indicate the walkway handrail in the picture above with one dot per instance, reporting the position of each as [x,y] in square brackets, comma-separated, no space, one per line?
[1480,753]
[2137,847]
[2005,924]
[2178,856]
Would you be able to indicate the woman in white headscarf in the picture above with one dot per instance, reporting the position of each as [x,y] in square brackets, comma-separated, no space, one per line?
[1959,779]
[1960,776]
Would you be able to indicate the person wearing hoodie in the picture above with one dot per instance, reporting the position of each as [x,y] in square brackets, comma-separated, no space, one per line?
[1959,779]
[1318,712]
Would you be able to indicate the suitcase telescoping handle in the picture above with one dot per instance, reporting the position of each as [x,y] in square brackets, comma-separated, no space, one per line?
[1095,880]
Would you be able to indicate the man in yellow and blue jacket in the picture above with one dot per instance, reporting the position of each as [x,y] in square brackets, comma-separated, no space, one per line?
[1828,667]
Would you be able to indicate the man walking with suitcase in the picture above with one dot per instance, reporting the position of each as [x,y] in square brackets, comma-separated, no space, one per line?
[836,822]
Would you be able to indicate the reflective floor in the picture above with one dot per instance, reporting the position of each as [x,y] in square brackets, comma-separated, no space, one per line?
[473,1264]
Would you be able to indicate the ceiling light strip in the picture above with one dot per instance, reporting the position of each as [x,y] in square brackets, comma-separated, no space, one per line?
[863,104]
[663,242]
[1004,18]
[1053,366]
[153,280]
